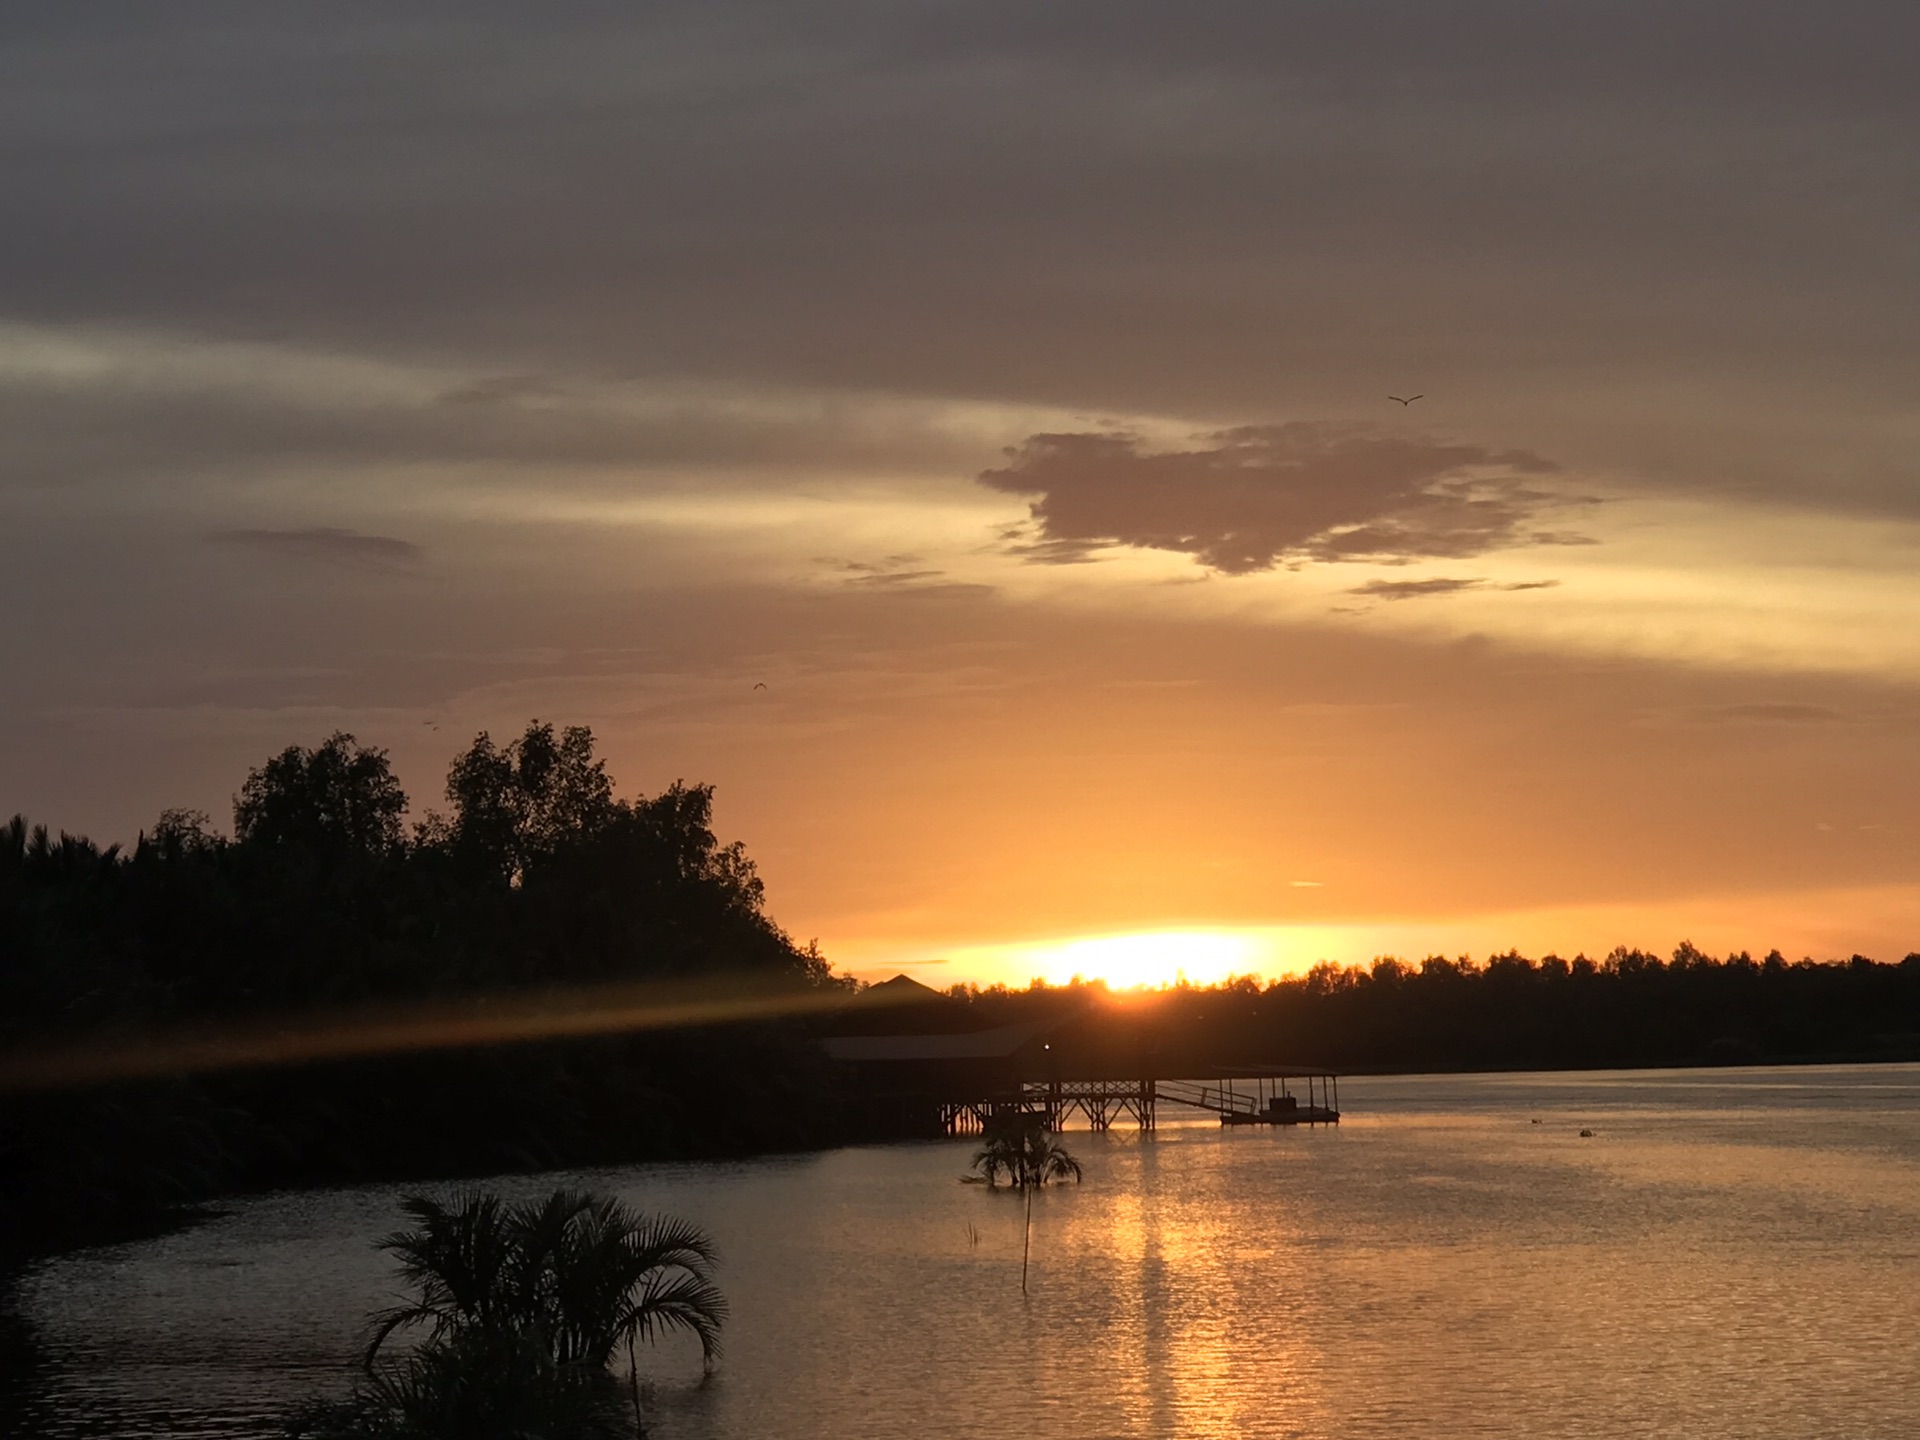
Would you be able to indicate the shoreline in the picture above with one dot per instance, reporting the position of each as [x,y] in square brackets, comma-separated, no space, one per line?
[187,1216]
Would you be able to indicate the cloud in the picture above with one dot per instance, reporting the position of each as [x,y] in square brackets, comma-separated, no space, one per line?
[325,543]
[86,404]
[892,570]
[904,575]
[895,577]
[1415,589]
[1262,495]
[1778,713]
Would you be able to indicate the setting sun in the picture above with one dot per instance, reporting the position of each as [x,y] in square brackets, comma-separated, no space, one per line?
[1153,957]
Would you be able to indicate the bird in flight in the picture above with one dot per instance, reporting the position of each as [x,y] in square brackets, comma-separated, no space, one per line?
[759,684]
[1409,400]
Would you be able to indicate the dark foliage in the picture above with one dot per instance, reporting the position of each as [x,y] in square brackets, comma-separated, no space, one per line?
[525,1310]
[478,1385]
[538,880]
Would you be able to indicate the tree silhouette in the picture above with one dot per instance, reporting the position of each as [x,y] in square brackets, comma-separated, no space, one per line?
[339,799]
[517,805]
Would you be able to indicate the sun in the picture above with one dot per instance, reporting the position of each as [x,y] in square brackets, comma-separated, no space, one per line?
[1199,955]
[1150,957]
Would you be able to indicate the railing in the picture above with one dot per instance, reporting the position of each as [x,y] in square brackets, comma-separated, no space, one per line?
[1217,1098]
[1102,1102]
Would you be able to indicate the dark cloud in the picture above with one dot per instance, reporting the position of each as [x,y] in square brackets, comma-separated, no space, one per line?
[1029,542]
[1778,713]
[325,543]
[1415,589]
[896,575]
[1261,495]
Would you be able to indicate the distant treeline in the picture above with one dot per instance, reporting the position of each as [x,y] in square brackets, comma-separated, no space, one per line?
[322,901]
[1629,1009]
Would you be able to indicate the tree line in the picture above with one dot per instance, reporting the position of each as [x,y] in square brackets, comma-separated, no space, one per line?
[322,899]
[1631,1008]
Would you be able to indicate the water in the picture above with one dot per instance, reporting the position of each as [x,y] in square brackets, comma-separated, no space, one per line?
[1732,1253]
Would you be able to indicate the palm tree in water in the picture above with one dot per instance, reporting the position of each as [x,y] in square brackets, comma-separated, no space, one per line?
[1021,1148]
[524,1308]
[585,1274]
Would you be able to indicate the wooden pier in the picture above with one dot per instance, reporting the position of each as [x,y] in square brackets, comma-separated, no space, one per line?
[917,1066]
[1242,1097]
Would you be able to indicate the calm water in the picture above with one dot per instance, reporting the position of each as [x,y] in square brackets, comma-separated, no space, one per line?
[1733,1253]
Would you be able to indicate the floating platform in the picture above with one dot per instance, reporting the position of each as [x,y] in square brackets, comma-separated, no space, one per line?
[1298,1115]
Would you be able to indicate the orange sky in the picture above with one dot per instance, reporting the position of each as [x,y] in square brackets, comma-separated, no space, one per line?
[1007,392]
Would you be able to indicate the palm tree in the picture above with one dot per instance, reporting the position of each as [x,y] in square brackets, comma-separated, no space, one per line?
[1024,1150]
[583,1273]
[532,1299]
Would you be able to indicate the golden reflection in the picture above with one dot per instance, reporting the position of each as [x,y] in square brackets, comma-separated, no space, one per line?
[1169,1275]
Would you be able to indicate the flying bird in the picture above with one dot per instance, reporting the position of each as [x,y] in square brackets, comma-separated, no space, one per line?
[1409,400]
[759,684]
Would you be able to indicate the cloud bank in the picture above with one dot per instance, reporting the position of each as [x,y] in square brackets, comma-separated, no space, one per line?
[1264,495]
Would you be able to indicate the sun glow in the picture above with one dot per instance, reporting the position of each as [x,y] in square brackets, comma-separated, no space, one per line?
[1152,957]
[1796,922]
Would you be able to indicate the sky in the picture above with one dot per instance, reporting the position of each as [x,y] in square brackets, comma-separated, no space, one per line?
[961,434]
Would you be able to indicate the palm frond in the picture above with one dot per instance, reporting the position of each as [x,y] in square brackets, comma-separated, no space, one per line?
[682,1302]
[573,1275]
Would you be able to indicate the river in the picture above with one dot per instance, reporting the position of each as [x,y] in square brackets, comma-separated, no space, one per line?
[1730,1253]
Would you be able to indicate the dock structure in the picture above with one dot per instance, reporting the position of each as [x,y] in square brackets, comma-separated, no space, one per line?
[1253,1096]
[1101,1102]
[919,1071]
